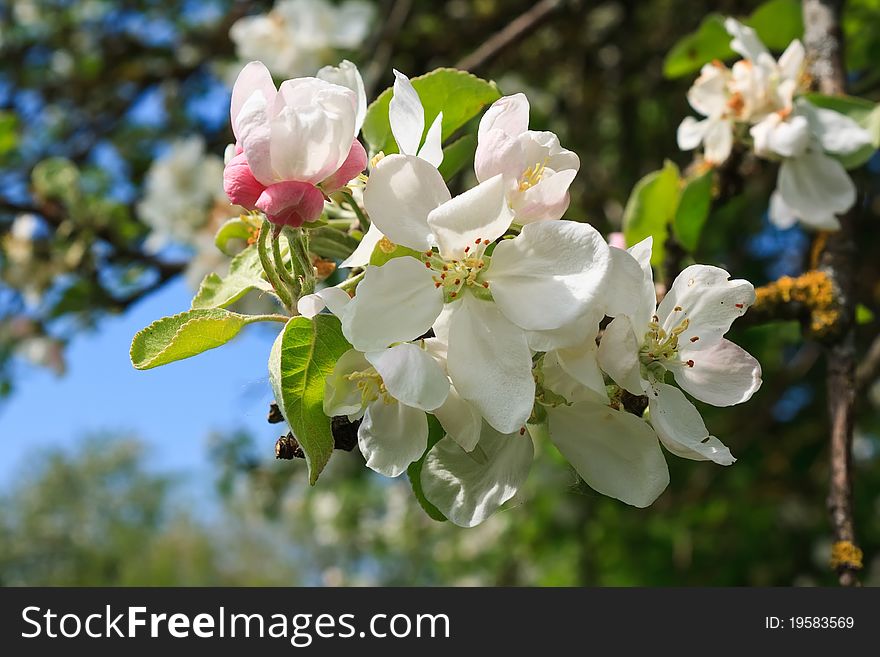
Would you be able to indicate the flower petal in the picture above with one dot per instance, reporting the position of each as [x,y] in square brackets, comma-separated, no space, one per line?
[559,381]
[341,394]
[432,150]
[291,203]
[718,141]
[360,257]
[745,40]
[406,115]
[709,93]
[401,192]
[791,62]
[509,114]
[348,75]
[619,354]
[681,428]
[816,187]
[252,78]
[546,201]
[255,136]
[469,487]
[836,132]
[411,376]
[460,420]
[709,300]
[781,215]
[722,375]
[354,164]
[788,138]
[490,364]
[479,213]
[334,298]
[394,303]
[550,274]
[691,132]
[239,183]
[581,363]
[391,436]
[616,453]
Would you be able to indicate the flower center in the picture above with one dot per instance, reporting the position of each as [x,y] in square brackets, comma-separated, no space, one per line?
[532,176]
[455,275]
[660,347]
[371,385]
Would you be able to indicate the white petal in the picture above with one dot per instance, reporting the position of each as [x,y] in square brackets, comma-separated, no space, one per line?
[432,150]
[681,428]
[648,294]
[745,40]
[341,394]
[479,213]
[252,78]
[400,193]
[550,274]
[616,453]
[791,62]
[718,141]
[391,436]
[460,420]
[619,354]
[709,94]
[546,201]
[710,302]
[348,75]
[723,375]
[786,138]
[509,114]
[625,288]
[360,257]
[781,215]
[816,187]
[568,335]
[406,115]
[581,363]
[394,303]
[558,381]
[691,132]
[255,136]
[490,364]
[836,132]
[411,375]
[329,297]
[469,487]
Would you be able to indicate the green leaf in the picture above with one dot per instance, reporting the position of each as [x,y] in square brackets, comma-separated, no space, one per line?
[458,155]
[651,207]
[778,23]
[693,210]
[185,334]
[331,243]
[233,229]
[458,94]
[302,357]
[245,274]
[414,471]
[710,41]
[863,112]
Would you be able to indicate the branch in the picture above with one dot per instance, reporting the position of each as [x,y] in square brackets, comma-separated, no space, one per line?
[869,369]
[823,44]
[518,28]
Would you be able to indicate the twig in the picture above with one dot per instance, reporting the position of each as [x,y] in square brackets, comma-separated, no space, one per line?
[512,32]
[384,47]
[823,43]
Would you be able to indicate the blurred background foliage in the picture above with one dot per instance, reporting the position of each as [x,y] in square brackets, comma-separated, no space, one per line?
[113,122]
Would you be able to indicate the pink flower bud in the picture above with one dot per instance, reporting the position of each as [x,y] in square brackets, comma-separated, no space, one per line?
[239,183]
[291,203]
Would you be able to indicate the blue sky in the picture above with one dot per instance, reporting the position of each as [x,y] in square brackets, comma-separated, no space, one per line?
[172,408]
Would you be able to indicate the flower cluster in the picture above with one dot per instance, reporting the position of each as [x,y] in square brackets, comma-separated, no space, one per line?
[766,97]
[487,314]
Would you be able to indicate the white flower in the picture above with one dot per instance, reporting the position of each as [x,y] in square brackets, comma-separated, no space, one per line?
[298,36]
[684,335]
[180,190]
[709,96]
[537,170]
[544,278]
[390,389]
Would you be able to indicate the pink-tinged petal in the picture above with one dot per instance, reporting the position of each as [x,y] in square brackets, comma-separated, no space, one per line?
[497,150]
[253,77]
[509,114]
[546,201]
[255,136]
[291,203]
[239,183]
[354,164]
[723,375]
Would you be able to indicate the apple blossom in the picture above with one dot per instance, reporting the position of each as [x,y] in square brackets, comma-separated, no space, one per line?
[294,144]
[537,170]
[542,279]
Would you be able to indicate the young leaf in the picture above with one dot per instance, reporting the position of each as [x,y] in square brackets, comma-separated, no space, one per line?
[245,274]
[863,112]
[651,207]
[414,471]
[233,229]
[458,155]
[185,334]
[693,210]
[302,357]
[710,41]
[458,94]
[778,23]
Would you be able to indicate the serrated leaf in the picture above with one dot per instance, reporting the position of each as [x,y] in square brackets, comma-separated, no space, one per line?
[245,274]
[710,41]
[693,210]
[302,357]
[331,243]
[863,112]
[184,335]
[458,94]
[651,208]
[414,471]
[457,156]
[233,229]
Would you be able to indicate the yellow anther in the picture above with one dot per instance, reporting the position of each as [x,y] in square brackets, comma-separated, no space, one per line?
[532,176]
